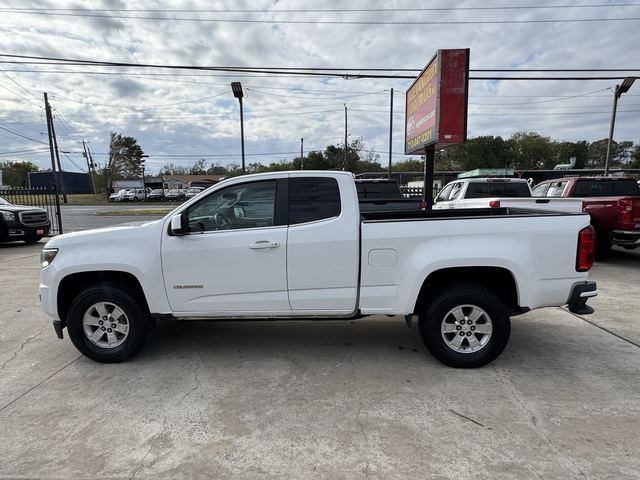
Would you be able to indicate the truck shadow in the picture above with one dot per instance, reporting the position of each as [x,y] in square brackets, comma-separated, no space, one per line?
[620,256]
[536,343]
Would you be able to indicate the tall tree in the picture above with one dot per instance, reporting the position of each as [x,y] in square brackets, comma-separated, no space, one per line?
[530,150]
[125,157]
[635,158]
[16,174]
[565,150]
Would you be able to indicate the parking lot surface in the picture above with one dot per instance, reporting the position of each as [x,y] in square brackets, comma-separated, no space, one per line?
[83,217]
[338,399]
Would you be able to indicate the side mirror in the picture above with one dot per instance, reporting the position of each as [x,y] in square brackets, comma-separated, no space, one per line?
[176,227]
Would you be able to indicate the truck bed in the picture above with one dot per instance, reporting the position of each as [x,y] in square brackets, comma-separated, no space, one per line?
[401,249]
[460,214]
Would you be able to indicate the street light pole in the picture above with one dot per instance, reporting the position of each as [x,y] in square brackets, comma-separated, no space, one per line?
[617,93]
[236,88]
[346,147]
[144,189]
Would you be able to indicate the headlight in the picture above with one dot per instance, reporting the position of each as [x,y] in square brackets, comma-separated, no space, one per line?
[47,256]
[8,216]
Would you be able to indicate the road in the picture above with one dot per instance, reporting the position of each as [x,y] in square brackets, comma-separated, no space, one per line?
[311,399]
[81,217]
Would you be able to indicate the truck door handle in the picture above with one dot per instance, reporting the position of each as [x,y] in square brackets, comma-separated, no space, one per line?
[263,244]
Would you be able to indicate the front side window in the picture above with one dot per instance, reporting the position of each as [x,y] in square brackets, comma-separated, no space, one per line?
[247,205]
[444,194]
[455,191]
[556,189]
[540,190]
[312,199]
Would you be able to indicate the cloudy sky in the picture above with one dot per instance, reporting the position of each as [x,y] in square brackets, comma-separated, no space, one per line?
[179,116]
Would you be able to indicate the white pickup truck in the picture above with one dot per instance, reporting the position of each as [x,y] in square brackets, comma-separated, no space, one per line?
[294,245]
[499,192]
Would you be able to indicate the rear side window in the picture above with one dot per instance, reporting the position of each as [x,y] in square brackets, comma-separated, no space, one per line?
[600,188]
[312,199]
[497,189]
[378,190]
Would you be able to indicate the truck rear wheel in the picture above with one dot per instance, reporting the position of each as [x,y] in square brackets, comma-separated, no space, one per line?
[107,324]
[466,326]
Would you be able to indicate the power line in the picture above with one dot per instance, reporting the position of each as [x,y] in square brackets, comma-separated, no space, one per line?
[20,96]
[346,76]
[23,136]
[324,22]
[41,149]
[187,155]
[72,61]
[142,107]
[16,82]
[323,10]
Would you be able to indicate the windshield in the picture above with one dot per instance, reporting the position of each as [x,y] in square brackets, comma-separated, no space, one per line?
[3,201]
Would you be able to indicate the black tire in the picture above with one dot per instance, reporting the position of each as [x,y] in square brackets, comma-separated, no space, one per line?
[138,319]
[436,313]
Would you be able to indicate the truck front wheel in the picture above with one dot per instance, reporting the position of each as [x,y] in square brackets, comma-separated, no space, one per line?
[107,324]
[465,326]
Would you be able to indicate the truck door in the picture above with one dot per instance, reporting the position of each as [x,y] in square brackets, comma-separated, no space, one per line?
[323,244]
[232,259]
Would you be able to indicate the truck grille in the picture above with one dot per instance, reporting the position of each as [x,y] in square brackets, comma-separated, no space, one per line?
[33,218]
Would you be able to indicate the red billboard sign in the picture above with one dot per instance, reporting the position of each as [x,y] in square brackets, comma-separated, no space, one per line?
[436,103]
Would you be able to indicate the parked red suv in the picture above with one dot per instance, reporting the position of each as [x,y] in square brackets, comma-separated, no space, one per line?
[612,202]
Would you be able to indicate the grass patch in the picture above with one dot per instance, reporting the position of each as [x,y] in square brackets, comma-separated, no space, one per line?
[159,212]
[85,199]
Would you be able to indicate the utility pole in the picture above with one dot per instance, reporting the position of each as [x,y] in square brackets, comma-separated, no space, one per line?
[302,154]
[390,132]
[93,168]
[617,93]
[346,147]
[55,145]
[53,161]
[89,162]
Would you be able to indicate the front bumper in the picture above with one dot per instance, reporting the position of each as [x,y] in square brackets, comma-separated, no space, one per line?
[580,293]
[625,237]
[14,232]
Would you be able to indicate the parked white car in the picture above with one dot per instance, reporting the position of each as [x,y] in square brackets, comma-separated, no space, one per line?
[135,195]
[499,192]
[296,245]
[192,191]
[174,194]
[118,196]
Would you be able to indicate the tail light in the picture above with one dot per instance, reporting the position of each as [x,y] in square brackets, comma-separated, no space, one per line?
[626,210]
[586,249]
[494,203]
[423,204]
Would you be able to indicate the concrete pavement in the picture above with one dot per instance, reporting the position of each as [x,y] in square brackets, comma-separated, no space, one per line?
[321,399]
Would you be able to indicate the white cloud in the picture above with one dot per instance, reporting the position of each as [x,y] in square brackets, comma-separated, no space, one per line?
[280,110]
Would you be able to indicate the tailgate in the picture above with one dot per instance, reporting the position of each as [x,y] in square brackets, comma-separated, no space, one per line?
[552,204]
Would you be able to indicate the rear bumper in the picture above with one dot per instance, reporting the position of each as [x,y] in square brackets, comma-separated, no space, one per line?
[580,293]
[625,237]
